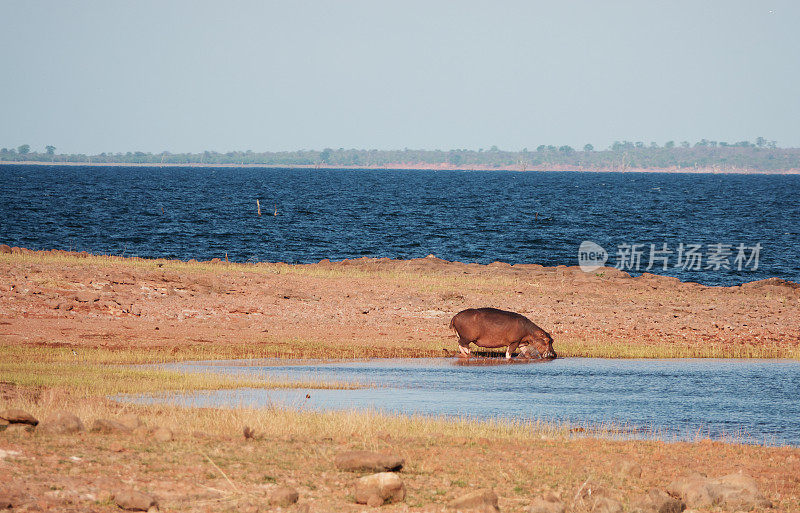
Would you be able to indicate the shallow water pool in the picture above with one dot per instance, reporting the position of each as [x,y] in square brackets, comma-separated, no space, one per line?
[756,401]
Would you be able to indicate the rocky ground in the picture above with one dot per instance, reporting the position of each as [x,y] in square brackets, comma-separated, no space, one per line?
[377,307]
[67,463]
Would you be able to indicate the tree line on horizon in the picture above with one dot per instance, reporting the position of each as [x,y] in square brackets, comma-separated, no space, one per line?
[761,155]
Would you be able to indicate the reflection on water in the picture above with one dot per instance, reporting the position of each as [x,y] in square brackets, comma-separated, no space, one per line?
[755,400]
[496,360]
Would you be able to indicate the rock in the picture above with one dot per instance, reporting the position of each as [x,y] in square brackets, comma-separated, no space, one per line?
[740,491]
[109,426]
[14,416]
[134,501]
[657,501]
[385,485]
[664,503]
[19,428]
[606,505]
[61,422]
[162,434]
[8,453]
[549,504]
[247,507]
[733,491]
[694,489]
[131,421]
[482,500]
[591,490]
[5,248]
[367,461]
[628,468]
[283,496]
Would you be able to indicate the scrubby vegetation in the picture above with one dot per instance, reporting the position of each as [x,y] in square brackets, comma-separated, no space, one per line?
[761,155]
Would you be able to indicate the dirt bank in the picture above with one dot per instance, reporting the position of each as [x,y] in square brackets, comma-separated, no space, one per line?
[200,461]
[382,307]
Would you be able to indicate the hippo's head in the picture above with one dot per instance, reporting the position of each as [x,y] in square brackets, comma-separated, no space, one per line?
[543,343]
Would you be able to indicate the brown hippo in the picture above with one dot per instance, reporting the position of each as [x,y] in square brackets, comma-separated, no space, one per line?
[490,327]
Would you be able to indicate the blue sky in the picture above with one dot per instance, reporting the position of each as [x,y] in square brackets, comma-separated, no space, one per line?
[94,76]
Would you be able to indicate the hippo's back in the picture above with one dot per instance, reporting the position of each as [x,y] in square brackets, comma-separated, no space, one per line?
[490,327]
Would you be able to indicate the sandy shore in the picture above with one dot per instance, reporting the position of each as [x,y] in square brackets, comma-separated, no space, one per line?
[383,307]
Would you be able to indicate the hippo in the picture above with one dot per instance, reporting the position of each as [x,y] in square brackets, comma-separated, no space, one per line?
[490,327]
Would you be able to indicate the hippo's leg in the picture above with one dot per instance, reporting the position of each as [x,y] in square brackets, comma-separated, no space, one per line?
[511,348]
[463,347]
[525,350]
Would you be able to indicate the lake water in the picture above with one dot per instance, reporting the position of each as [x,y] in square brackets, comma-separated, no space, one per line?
[756,401]
[479,217]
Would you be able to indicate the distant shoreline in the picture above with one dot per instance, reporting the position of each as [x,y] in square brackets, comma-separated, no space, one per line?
[425,167]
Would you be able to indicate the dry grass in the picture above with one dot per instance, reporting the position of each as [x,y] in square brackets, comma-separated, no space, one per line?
[580,348]
[282,421]
[98,373]
[423,282]
[211,467]
[293,348]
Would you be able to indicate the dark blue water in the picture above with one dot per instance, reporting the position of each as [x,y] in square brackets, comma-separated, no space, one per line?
[467,216]
[750,400]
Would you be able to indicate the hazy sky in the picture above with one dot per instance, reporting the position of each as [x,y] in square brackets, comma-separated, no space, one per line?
[94,76]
